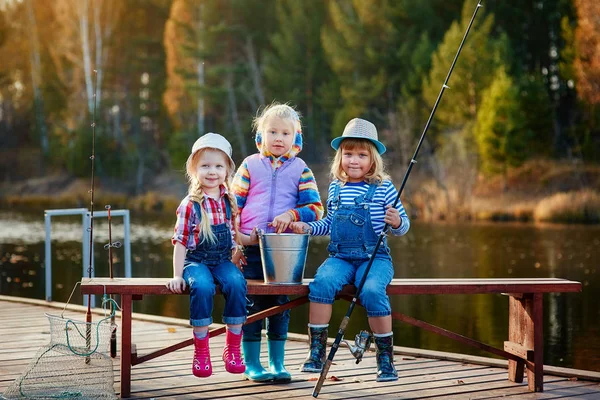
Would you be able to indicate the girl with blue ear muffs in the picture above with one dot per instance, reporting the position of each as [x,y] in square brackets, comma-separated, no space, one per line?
[296,198]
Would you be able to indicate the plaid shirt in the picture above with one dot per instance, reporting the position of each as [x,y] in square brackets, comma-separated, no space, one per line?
[187,227]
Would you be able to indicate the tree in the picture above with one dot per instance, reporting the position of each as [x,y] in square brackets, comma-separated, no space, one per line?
[295,68]
[587,63]
[227,40]
[580,68]
[359,45]
[480,55]
[501,129]
[36,77]
[141,77]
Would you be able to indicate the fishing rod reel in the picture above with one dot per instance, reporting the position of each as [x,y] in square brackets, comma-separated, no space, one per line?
[362,342]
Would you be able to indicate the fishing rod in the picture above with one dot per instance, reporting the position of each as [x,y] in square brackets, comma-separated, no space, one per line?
[109,246]
[413,161]
[88,315]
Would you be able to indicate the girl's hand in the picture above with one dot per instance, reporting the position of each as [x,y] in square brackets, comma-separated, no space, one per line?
[176,285]
[392,217]
[300,227]
[238,258]
[254,236]
[282,222]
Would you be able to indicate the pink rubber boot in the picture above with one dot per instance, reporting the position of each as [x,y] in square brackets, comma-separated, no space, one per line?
[201,367]
[232,355]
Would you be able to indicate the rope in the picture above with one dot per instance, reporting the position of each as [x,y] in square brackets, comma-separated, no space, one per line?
[105,300]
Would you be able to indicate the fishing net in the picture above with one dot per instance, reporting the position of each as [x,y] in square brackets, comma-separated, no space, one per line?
[75,364]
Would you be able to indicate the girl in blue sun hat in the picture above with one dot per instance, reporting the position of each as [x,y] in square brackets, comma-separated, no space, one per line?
[359,204]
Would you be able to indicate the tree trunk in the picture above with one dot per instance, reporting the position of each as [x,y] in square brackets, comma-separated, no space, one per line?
[85,52]
[200,72]
[254,70]
[234,114]
[36,74]
[99,53]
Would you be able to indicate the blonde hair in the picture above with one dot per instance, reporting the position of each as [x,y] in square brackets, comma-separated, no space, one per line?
[196,193]
[376,173]
[283,111]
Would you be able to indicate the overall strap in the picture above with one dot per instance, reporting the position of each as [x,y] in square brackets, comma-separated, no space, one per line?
[371,192]
[198,210]
[227,208]
[336,194]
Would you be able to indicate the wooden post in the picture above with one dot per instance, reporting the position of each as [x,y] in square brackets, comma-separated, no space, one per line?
[535,375]
[526,339]
[125,345]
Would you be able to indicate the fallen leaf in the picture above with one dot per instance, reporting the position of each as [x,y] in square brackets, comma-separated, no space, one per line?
[461,382]
[171,330]
[335,378]
[408,358]
[356,380]
[573,378]
[312,379]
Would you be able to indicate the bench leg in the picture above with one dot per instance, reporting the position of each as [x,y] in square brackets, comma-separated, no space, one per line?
[126,345]
[525,329]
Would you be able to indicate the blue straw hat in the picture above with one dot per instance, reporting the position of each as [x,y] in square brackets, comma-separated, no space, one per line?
[359,129]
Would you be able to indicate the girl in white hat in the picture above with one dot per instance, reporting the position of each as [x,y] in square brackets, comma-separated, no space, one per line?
[204,243]
[359,204]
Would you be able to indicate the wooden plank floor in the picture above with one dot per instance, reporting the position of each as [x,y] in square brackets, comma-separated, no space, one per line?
[24,330]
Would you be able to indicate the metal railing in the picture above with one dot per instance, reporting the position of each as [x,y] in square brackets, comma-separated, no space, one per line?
[85,242]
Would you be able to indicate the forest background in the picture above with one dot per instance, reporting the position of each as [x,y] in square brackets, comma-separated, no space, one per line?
[517,135]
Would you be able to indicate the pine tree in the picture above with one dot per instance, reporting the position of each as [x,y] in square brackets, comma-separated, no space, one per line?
[501,129]
[480,55]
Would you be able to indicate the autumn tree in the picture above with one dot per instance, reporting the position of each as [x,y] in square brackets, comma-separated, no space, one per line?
[587,63]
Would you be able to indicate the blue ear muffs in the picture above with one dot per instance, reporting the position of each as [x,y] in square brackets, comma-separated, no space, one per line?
[258,139]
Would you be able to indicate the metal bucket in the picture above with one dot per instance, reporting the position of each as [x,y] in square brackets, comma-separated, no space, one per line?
[283,257]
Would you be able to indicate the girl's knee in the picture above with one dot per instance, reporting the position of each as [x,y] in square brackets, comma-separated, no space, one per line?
[234,284]
[321,292]
[372,292]
[202,286]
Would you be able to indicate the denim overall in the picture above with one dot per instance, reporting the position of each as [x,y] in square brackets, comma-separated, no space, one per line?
[209,265]
[277,325]
[352,243]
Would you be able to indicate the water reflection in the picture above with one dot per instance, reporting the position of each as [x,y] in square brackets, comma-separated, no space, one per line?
[571,321]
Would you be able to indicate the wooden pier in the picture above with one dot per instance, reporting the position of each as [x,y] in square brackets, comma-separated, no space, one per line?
[423,374]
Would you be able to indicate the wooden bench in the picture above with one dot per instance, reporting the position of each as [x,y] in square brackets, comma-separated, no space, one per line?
[523,349]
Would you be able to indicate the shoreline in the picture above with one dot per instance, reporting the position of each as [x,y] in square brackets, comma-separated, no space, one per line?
[538,191]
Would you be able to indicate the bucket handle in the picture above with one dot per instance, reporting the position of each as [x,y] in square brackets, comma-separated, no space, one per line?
[262,228]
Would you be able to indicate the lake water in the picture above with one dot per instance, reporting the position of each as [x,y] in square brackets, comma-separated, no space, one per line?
[429,250]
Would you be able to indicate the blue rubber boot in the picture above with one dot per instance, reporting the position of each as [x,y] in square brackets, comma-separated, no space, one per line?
[276,356]
[385,359]
[317,337]
[254,370]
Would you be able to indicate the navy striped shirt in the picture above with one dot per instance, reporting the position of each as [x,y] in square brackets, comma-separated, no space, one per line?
[384,194]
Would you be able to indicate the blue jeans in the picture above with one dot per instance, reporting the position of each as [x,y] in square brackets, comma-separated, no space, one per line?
[277,325]
[203,279]
[336,272]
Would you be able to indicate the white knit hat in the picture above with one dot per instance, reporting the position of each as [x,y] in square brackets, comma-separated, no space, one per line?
[213,141]
[359,129]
